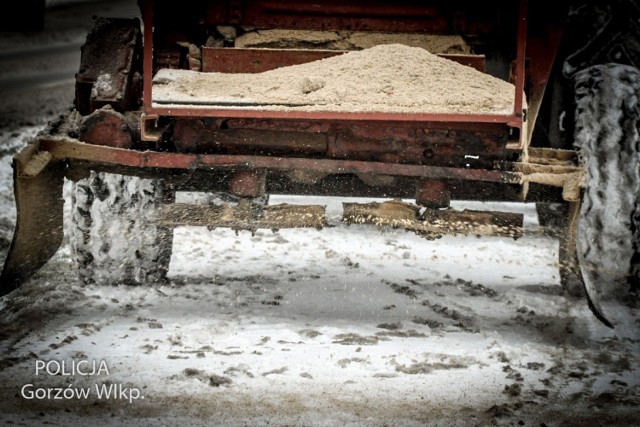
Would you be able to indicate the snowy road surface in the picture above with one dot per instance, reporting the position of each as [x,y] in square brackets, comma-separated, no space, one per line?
[345,326]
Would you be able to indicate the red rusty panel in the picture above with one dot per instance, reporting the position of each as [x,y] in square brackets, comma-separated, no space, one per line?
[520,59]
[267,142]
[430,143]
[544,35]
[433,143]
[238,60]
[371,129]
[433,147]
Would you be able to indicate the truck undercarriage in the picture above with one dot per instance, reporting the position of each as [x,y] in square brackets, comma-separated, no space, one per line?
[137,114]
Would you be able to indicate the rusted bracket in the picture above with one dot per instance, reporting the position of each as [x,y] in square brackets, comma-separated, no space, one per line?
[555,168]
[149,129]
[570,178]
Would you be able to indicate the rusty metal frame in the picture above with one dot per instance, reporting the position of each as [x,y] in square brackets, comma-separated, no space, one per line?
[70,149]
[515,119]
[57,150]
[521,50]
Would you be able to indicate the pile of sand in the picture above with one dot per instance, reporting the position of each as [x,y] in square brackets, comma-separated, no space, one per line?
[384,78]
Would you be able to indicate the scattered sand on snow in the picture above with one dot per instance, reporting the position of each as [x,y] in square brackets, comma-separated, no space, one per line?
[384,78]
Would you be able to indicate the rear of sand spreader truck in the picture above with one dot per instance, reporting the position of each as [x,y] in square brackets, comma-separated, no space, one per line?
[129,151]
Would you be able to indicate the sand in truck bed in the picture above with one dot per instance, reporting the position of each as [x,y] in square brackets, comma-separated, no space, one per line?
[389,78]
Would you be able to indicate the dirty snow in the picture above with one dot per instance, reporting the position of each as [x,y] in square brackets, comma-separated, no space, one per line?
[345,326]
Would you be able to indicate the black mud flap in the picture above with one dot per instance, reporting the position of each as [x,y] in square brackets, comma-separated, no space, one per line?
[38,183]
[594,299]
[574,265]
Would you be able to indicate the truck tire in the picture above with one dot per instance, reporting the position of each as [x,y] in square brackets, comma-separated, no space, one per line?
[606,133]
[115,236]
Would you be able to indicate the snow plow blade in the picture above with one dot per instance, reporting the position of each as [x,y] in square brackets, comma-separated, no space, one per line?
[38,183]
